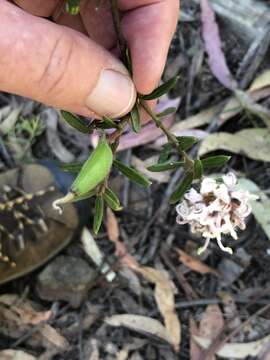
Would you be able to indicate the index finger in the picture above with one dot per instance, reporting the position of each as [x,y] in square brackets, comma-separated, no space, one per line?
[148,27]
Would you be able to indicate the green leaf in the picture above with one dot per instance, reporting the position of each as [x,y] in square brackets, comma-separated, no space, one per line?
[135,119]
[109,123]
[198,169]
[112,200]
[128,61]
[214,161]
[182,188]
[76,122]
[165,153]
[165,166]
[72,167]
[161,90]
[166,112]
[133,174]
[73,7]
[186,142]
[98,216]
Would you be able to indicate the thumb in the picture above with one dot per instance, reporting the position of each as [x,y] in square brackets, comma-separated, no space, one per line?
[60,67]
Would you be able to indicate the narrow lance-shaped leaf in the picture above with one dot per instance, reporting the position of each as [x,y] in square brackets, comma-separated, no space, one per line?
[112,200]
[198,169]
[165,153]
[133,174]
[72,167]
[215,161]
[128,61]
[166,112]
[161,90]
[73,7]
[110,123]
[76,122]
[165,166]
[186,142]
[135,119]
[182,188]
[98,216]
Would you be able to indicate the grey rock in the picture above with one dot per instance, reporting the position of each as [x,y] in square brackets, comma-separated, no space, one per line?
[67,278]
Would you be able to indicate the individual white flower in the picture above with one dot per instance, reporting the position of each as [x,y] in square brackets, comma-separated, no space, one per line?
[208,185]
[230,180]
[217,209]
[193,196]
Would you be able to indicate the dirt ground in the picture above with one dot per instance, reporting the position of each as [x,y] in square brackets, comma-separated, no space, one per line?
[219,297]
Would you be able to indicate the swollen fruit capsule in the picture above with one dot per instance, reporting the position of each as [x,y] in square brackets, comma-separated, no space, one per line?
[93,172]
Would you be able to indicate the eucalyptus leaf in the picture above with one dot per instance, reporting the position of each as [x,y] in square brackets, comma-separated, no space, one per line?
[98,216]
[165,166]
[182,188]
[215,161]
[186,142]
[133,174]
[135,119]
[261,207]
[253,143]
[198,169]
[112,200]
[76,122]
[161,90]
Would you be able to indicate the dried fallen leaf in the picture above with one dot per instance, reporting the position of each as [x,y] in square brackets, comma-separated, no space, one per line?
[254,143]
[236,350]
[149,132]
[120,249]
[9,122]
[16,355]
[18,318]
[141,324]
[231,109]
[261,208]
[25,310]
[262,80]
[195,264]
[212,322]
[211,37]
[164,295]
[53,337]
[112,226]
[161,177]
[195,350]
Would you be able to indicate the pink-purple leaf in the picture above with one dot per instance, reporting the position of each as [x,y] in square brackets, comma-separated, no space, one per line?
[211,37]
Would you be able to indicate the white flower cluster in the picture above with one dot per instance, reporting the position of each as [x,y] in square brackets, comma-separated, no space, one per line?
[217,209]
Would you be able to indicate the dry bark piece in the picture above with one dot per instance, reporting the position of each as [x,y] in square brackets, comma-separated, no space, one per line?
[66,278]
[44,245]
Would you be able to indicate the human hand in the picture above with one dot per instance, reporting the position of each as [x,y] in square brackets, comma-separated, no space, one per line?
[69,63]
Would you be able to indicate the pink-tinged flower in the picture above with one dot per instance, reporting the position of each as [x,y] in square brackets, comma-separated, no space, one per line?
[217,209]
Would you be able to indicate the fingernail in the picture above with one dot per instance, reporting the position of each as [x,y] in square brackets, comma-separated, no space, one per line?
[114,94]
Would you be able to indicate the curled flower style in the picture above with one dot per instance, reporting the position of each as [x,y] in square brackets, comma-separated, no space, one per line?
[217,209]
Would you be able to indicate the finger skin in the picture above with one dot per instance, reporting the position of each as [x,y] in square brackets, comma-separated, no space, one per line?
[38,7]
[49,63]
[149,28]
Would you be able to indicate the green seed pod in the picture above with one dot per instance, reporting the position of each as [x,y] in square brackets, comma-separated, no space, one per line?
[92,173]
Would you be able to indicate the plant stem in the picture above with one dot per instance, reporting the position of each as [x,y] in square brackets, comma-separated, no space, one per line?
[170,136]
[117,27]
